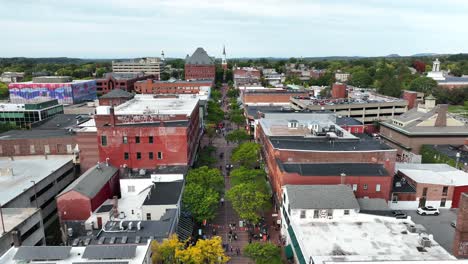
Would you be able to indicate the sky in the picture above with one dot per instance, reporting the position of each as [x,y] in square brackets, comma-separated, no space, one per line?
[248,28]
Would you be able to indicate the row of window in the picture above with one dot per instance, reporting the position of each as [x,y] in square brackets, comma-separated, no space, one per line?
[321,213]
[444,191]
[125,140]
[32,149]
[139,156]
[366,187]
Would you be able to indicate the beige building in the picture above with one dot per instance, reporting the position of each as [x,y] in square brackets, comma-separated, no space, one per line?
[145,65]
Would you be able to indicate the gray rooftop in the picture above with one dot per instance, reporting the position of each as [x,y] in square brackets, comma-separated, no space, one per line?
[321,197]
[110,252]
[175,169]
[118,93]
[91,182]
[61,121]
[362,142]
[164,193]
[30,134]
[27,253]
[199,57]
[26,169]
[334,169]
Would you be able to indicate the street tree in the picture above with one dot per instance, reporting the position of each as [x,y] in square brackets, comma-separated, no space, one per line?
[208,178]
[3,90]
[423,84]
[245,175]
[238,136]
[215,113]
[246,154]
[205,251]
[210,131]
[360,78]
[206,157]
[248,201]
[200,201]
[165,252]
[263,253]
[237,118]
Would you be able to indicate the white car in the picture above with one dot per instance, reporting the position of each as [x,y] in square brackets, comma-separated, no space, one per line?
[428,210]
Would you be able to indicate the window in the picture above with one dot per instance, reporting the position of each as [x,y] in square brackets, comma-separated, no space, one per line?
[69,148]
[138,155]
[424,191]
[365,187]
[377,187]
[160,155]
[284,197]
[442,202]
[103,140]
[125,140]
[150,155]
[150,140]
[131,188]
[395,198]
[346,212]
[316,213]
[125,155]
[137,139]
[303,214]
[354,187]
[32,149]
[17,149]
[445,191]
[148,216]
[289,209]
[330,213]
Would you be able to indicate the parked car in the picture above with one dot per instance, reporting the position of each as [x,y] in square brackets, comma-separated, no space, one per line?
[453,224]
[399,215]
[428,210]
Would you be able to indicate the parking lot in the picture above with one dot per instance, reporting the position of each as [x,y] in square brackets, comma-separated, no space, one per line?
[439,226]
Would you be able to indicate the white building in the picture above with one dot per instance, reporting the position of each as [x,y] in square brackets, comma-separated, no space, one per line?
[145,65]
[322,225]
[128,254]
[342,76]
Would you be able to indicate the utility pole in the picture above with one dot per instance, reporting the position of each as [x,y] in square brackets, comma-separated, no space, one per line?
[35,193]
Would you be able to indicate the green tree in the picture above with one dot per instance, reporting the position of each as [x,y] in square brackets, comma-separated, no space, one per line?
[215,113]
[391,87]
[202,202]
[246,154]
[206,157]
[207,178]
[233,93]
[245,175]
[238,135]
[248,201]
[263,253]
[3,90]
[423,84]
[361,78]
[210,131]
[237,118]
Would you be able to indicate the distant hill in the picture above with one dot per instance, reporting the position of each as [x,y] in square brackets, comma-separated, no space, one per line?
[393,56]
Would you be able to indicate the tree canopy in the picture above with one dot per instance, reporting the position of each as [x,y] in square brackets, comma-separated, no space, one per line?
[200,201]
[209,178]
[3,90]
[248,201]
[263,253]
[238,135]
[423,84]
[246,154]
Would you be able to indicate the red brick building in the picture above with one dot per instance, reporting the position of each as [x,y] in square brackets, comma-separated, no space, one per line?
[246,75]
[338,90]
[115,97]
[146,132]
[270,96]
[123,81]
[319,153]
[150,86]
[88,192]
[199,66]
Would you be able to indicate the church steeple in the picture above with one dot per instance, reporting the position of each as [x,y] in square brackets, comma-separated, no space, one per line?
[224,60]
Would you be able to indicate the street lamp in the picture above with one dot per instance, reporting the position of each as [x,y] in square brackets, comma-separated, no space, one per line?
[35,193]
[458,159]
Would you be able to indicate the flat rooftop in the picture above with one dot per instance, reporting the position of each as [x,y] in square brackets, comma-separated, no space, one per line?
[364,237]
[35,133]
[118,254]
[26,169]
[280,128]
[12,217]
[354,97]
[335,169]
[447,178]
[147,104]
[360,143]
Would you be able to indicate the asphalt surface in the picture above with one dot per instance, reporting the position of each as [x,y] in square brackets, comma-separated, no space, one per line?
[439,226]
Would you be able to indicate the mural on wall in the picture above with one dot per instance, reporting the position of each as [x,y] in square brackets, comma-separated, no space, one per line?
[65,93]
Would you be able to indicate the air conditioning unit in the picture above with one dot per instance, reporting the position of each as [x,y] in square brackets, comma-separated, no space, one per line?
[425,242]
[412,228]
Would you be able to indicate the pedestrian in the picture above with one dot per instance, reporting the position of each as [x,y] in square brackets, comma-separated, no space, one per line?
[250,240]
[238,251]
[222,201]
[232,249]
[235,236]
[230,232]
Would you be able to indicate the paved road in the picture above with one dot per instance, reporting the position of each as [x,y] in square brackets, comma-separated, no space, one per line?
[439,226]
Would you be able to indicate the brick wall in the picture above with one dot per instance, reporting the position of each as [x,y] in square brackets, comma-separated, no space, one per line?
[200,72]
[37,146]
[252,98]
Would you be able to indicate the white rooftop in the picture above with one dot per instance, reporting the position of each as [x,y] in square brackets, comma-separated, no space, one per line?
[364,237]
[437,167]
[280,127]
[147,104]
[76,256]
[26,169]
[452,178]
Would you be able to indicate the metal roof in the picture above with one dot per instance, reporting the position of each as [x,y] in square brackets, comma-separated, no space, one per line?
[334,169]
[164,193]
[117,93]
[91,182]
[321,197]
[110,252]
[28,253]
[199,57]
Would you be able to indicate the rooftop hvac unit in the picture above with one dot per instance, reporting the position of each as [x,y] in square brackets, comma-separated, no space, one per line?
[397,184]
[142,172]
[425,242]
[70,231]
[412,229]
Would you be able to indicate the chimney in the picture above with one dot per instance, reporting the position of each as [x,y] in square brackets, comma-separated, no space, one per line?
[441,120]
[343,178]
[115,208]
[15,236]
[112,116]
[412,98]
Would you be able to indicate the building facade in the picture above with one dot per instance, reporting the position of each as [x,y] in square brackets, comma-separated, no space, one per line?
[24,115]
[145,65]
[122,81]
[146,132]
[149,86]
[199,66]
[246,76]
[62,88]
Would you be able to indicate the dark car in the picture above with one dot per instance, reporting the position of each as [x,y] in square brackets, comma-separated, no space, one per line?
[399,215]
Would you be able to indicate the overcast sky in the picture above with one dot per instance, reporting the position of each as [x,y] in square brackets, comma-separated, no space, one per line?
[248,28]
